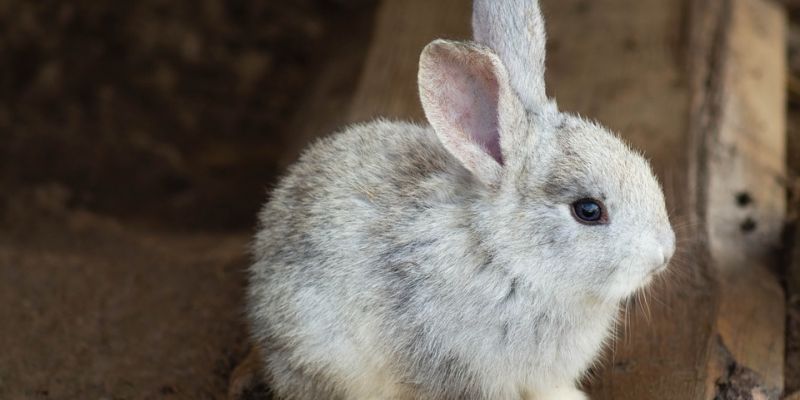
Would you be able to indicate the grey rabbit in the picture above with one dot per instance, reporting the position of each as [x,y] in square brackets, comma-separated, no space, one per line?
[481,257]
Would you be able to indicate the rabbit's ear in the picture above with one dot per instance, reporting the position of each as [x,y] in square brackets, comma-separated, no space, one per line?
[468,100]
[514,29]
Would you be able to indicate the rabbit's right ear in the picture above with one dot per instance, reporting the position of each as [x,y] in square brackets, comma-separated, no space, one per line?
[469,102]
[514,30]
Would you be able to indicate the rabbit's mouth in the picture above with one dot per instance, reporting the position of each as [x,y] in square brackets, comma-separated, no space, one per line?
[652,274]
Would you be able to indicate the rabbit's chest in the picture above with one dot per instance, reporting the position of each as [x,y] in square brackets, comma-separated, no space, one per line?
[549,347]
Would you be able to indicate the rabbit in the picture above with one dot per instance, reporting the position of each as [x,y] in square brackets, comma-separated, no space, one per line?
[481,257]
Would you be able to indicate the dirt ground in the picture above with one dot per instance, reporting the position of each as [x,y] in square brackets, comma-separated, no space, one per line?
[137,141]
[103,310]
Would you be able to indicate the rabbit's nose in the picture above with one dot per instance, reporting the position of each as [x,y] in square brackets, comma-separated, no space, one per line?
[660,261]
[669,246]
[665,257]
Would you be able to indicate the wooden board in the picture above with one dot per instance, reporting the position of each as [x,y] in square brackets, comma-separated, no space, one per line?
[792,358]
[686,82]
[746,198]
[388,86]
[325,107]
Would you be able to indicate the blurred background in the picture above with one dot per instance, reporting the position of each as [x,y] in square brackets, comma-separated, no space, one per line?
[137,143]
[174,113]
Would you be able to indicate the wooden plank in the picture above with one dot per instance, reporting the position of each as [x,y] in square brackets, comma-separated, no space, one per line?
[324,109]
[792,361]
[388,86]
[746,199]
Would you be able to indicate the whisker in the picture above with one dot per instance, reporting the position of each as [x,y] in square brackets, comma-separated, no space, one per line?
[626,321]
[648,312]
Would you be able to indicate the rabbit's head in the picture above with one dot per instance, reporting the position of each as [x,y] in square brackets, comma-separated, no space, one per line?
[568,207]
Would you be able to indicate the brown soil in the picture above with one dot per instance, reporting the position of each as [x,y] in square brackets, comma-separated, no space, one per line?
[138,141]
[94,309]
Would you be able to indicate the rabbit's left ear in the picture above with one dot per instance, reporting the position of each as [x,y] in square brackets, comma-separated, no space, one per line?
[468,100]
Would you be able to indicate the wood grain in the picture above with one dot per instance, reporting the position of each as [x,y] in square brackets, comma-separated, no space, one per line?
[388,86]
[746,199]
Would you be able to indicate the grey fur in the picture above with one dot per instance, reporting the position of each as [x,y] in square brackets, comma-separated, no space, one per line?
[397,261]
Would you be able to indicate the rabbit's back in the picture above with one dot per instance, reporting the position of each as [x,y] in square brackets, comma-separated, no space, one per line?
[328,256]
[354,191]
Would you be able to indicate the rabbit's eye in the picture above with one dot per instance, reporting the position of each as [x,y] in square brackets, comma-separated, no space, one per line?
[589,211]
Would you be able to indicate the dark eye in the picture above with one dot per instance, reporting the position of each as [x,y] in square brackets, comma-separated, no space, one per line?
[589,211]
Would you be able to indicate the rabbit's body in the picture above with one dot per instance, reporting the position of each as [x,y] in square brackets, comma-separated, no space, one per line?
[483,257]
[341,226]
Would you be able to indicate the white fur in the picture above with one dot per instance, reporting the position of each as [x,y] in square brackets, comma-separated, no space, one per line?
[397,261]
[514,29]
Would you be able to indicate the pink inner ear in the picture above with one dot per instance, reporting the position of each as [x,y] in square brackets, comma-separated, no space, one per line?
[473,99]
